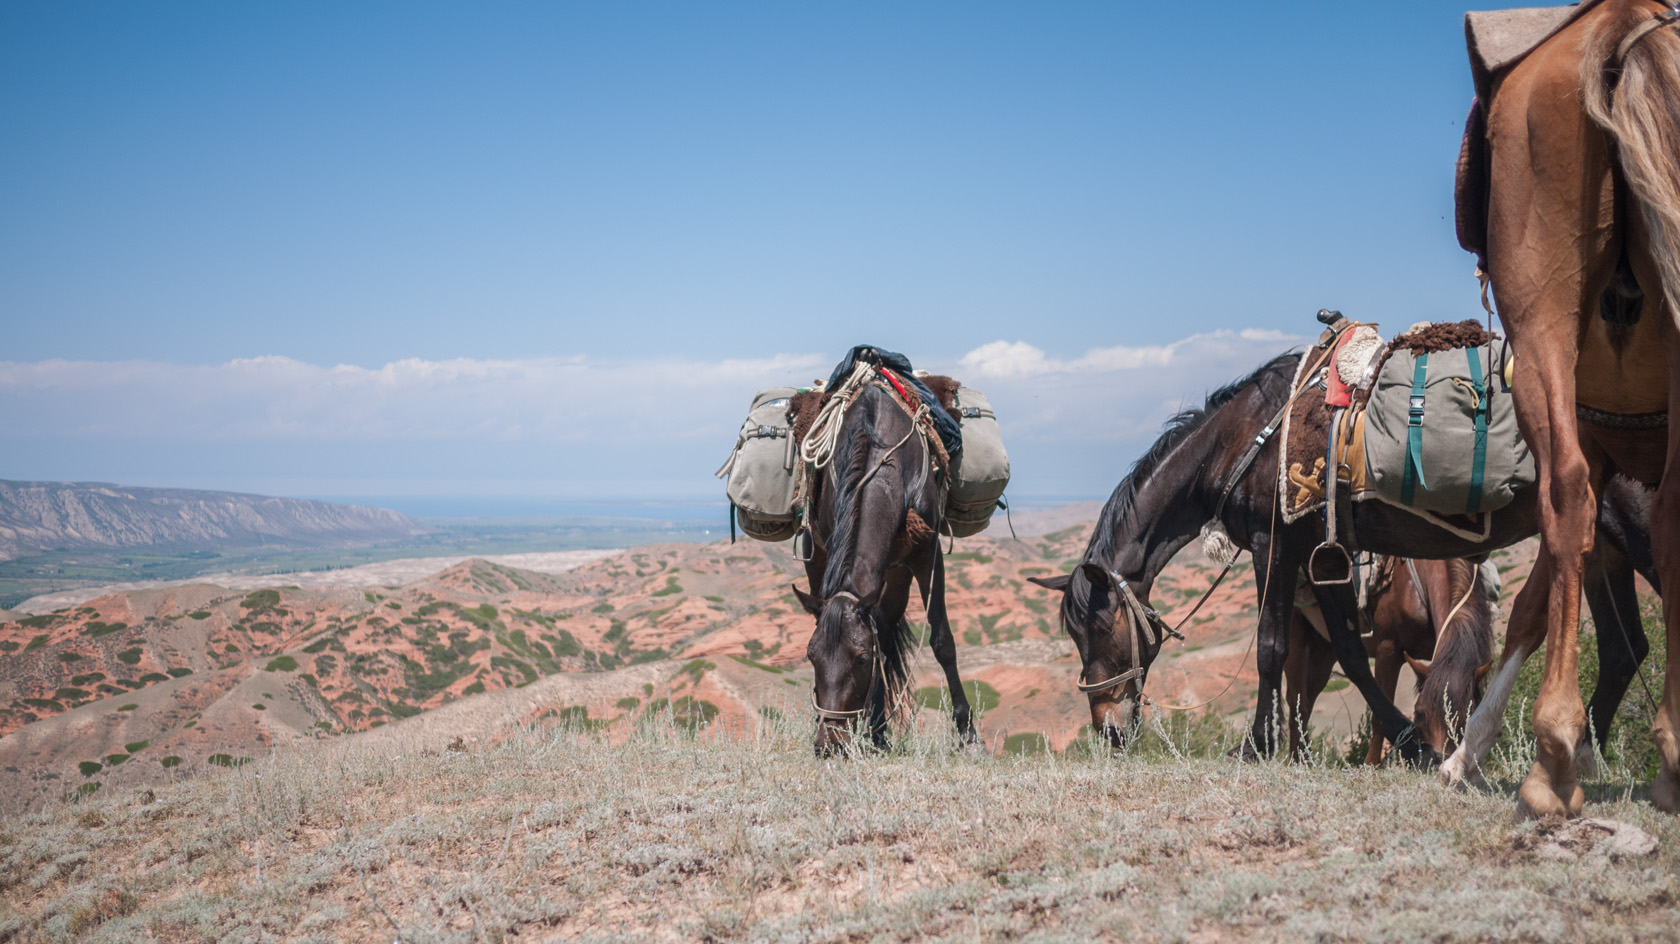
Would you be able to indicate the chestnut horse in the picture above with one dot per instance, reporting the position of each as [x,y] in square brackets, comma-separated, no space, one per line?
[1583,255]
[876,504]
[1411,605]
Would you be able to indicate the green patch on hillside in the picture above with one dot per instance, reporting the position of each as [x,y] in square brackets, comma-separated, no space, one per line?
[281,664]
[981,696]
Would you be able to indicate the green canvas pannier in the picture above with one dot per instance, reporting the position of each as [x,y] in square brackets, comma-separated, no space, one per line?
[1441,432]
[981,471]
[760,469]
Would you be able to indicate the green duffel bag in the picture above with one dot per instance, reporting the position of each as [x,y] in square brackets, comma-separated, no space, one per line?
[1441,432]
[981,471]
[760,469]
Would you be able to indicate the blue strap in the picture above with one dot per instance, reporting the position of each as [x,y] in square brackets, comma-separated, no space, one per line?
[1413,476]
[1478,464]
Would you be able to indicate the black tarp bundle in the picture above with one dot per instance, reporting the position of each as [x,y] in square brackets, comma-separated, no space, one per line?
[949,432]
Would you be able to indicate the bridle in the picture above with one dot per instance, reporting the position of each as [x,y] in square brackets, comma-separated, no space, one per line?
[877,668]
[1143,615]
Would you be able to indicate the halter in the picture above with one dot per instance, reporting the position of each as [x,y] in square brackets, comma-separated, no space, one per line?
[1143,615]
[877,669]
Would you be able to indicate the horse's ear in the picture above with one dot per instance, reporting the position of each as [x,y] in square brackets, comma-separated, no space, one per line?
[1482,671]
[1421,668]
[1098,577]
[1057,583]
[812,605]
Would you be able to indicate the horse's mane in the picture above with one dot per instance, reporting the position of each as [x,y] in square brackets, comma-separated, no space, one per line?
[1466,643]
[1122,504]
[847,468]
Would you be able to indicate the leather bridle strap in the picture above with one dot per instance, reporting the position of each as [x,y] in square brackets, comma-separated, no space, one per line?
[875,670]
[1638,33]
[1142,616]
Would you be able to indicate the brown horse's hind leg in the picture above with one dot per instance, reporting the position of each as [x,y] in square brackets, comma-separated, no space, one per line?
[944,646]
[1665,553]
[1552,248]
[1305,673]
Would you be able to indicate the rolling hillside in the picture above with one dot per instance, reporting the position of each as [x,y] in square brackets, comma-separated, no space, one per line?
[46,516]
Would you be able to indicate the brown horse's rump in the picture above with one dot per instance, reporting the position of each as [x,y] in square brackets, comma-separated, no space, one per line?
[1497,40]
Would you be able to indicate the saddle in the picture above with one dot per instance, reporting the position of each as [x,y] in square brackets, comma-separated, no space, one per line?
[1423,423]
[1497,41]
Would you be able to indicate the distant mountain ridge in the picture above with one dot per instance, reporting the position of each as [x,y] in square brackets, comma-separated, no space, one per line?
[44,516]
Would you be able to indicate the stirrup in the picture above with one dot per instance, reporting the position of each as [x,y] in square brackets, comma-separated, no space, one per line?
[802,545]
[1347,565]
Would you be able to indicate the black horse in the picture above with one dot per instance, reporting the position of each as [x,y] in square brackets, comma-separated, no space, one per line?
[877,502]
[1176,487]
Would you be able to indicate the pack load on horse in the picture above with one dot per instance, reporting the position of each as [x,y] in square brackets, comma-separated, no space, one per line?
[1424,422]
[1568,193]
[769,470]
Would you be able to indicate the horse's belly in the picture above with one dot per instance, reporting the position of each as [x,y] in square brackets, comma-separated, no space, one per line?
[1622,369]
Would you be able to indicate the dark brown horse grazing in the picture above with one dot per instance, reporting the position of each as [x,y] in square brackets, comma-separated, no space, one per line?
[876,501]
[1162,504]
[1583,252]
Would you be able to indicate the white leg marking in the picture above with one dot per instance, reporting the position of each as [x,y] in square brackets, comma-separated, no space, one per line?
[1484,725]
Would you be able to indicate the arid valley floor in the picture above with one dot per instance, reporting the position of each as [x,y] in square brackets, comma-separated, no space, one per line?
[617,748]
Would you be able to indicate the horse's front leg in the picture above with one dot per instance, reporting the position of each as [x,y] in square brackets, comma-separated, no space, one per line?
[932,580]
[1338,605]
[1275,569]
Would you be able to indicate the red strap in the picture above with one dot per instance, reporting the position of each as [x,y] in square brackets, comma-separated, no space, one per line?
[1336,393]
[905,394]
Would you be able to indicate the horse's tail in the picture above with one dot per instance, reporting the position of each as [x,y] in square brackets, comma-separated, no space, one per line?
[1631,78]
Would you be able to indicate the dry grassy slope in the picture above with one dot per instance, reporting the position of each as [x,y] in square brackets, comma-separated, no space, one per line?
[655,836]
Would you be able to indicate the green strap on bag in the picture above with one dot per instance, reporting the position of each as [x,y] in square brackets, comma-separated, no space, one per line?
[1414,436]
[1478,464]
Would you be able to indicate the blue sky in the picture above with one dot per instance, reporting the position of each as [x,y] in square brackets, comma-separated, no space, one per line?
[226,228]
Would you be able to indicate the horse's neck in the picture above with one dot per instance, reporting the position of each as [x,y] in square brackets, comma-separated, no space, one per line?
[1170,506]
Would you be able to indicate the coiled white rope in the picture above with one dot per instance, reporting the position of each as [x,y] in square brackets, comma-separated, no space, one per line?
[818,445]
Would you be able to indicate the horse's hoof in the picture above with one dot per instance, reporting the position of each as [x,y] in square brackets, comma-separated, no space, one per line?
[1540,798]
[1244,752]
[1459,771]
[1665,791]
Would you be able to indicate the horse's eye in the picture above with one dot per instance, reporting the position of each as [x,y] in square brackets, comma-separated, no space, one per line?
[861,659]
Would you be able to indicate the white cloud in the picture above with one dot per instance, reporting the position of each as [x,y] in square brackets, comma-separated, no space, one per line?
[1020,359]
[650,427]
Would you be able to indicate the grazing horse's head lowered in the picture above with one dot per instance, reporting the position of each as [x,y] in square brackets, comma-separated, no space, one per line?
[1113,647]
[849,664]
